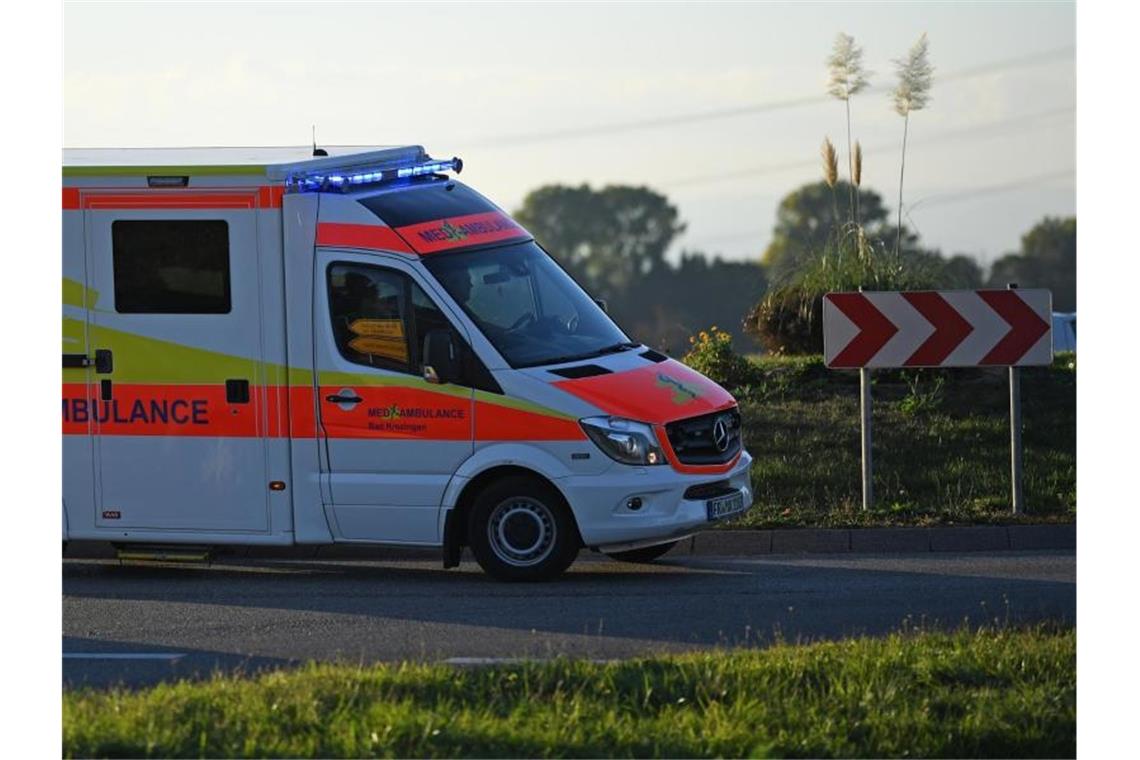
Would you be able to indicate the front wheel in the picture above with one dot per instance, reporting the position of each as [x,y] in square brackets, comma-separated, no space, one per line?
[521,529]
[644,554]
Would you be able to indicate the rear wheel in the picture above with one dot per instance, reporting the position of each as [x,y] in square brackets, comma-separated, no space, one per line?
[521,529]
[644,554]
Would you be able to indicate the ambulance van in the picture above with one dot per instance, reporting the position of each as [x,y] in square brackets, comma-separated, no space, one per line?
[267,347]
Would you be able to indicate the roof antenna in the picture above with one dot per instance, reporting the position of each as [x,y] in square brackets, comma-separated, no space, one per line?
[317,151]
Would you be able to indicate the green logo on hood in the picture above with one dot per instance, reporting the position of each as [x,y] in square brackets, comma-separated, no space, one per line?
[451,232]
[682,394]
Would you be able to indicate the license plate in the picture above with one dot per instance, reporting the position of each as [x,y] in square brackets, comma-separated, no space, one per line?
[725,506]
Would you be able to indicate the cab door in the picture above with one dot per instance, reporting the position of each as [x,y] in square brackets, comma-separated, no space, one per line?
[393,440]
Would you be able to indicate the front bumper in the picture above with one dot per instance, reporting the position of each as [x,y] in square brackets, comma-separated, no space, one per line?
[600,504]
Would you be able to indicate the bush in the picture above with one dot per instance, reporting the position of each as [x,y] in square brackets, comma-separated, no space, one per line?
[789,320]
[712,355]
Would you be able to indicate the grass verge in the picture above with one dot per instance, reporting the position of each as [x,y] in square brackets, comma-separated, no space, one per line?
[999,692]
[941,445]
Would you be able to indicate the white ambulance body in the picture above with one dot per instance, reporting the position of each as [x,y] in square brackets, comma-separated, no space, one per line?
[261,347]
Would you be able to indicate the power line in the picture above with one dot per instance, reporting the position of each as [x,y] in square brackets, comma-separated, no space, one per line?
[937,137]
[1031,59]
[942,198]
[750,110]
[965,195]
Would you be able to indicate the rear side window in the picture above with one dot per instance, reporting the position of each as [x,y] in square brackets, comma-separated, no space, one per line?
[171,267]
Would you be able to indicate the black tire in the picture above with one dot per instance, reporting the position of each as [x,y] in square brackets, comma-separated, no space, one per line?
[644,554]
[521,529]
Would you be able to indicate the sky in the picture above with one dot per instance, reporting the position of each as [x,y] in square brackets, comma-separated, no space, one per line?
[721,107]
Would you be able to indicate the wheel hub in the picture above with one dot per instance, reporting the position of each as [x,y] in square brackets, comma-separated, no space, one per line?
[521,531]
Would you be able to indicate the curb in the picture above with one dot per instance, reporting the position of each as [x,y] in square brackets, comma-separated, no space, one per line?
[727,543]
[978,538]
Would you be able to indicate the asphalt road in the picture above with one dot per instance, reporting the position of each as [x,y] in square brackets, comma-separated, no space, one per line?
[139,624]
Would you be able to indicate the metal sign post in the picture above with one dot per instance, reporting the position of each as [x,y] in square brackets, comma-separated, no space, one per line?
[865,413]
[950,328]
[1015,431]
[1015,438]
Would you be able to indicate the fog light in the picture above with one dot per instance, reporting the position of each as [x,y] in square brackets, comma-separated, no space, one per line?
[633,504]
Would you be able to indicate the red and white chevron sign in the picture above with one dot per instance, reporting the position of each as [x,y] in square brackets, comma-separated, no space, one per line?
[950,328]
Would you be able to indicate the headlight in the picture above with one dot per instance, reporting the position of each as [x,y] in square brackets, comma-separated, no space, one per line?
[626,441]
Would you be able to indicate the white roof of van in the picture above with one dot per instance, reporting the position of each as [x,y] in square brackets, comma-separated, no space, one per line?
[213,160]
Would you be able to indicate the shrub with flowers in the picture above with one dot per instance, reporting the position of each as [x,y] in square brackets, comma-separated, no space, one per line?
[711,354]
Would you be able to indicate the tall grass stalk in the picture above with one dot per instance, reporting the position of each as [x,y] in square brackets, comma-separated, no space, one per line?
[912,93]
[847,77]
[860,237]
[830,172]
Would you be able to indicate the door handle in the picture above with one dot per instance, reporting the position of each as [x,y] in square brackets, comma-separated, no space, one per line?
[344,398]
[103,361]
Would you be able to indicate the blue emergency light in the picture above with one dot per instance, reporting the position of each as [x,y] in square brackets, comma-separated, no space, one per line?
[345,178]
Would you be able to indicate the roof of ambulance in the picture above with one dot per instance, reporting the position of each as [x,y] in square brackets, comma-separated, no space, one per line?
[213,160]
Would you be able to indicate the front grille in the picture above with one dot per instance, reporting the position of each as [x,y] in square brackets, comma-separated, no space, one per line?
[693,441]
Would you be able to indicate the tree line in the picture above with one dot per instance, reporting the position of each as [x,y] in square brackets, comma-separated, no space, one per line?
[614,241]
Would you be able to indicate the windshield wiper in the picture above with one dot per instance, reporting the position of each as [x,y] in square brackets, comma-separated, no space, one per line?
[617,347]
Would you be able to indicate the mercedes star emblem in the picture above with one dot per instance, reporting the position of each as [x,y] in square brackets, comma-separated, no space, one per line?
[720,434]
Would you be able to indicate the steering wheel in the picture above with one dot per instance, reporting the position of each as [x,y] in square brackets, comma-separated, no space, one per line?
[572,324]
[525,319]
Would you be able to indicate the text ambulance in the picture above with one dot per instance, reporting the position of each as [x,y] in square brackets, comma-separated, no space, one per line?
[261,347]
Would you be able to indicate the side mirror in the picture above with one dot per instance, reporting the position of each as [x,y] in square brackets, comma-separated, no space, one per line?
[601,302]
[440,358]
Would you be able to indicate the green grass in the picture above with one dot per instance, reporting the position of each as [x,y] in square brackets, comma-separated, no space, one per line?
[941,445]
[996,693]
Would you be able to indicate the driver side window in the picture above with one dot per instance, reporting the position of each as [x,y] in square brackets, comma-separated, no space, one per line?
[380,317]
[368,307]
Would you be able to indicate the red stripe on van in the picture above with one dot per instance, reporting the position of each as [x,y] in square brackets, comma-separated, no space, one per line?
[461,231]
[188,410]
[419,414]
[372,236]
[162,410]
[170,199]
[290,412]
[502,423]
[387,412]
[269,196]
[277,411]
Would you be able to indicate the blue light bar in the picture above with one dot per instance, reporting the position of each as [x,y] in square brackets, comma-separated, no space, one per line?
[372,175]
[432,168]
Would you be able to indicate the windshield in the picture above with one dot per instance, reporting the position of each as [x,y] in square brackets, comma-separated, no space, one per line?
[527,306]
